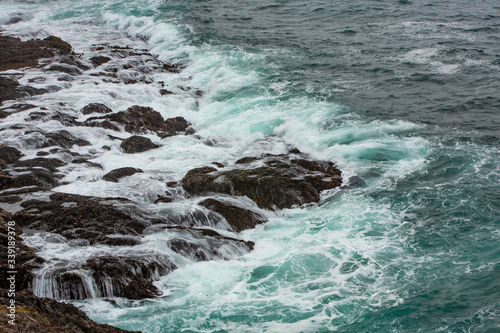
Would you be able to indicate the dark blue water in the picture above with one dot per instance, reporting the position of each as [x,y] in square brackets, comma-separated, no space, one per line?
[433,62]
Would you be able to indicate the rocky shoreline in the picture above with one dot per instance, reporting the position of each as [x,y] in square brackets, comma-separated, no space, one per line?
[272,182]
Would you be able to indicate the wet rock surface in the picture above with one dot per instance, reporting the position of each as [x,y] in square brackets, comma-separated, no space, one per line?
[96,108]
[9,155]
[25,257]
[80,217]
[17,54]
[140,120]
[137,144]
[117,174]
[44,315]
[273,181]
[238,218]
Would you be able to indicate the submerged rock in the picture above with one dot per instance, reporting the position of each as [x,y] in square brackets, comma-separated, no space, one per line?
[282,183]
[117,174]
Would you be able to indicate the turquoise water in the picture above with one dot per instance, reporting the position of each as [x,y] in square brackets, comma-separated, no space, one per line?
[402,96]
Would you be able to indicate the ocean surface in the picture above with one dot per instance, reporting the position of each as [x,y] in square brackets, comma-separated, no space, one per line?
[404,96]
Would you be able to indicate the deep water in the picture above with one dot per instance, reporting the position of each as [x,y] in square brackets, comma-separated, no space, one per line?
[403,95]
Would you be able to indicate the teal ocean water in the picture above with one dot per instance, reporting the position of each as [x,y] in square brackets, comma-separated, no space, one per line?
[402,95]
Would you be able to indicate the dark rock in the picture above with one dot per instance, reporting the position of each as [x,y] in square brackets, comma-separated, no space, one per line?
[96,108]
[99,60]
[280,184]
[173,68]
[164,92]
[130,277]
[121,241]
[10,199]
[117,174]
[176,124]
[57,43]
[50,164]
[140,119]
[246,160]
[68,69]
[238,218]
[34,177]
[9,155]
[42,153]
[219,165]
[86,161]
[25,257]
[163,199]
[11,89]
[18,107]
[44,315]
[37,173]
[80,217]
[8,89]
[17,54]
[106,124]
[63,139]
[213,242]
[70,60]
[137,144]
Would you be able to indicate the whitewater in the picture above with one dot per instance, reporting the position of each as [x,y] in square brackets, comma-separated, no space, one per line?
[403,98]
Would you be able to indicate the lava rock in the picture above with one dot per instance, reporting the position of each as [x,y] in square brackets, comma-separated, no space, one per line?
[238,218]
[117,174]
[137,144]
